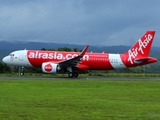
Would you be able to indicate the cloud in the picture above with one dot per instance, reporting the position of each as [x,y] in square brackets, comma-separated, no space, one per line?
[80,22]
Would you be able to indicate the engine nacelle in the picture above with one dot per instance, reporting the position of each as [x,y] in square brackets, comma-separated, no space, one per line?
[48,67]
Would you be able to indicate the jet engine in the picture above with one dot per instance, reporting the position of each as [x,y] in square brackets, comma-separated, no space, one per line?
[48,67]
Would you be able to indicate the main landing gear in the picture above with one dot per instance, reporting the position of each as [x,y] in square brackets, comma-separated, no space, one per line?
[73,74]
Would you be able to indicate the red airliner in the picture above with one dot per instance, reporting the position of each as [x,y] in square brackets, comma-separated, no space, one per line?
[72,62]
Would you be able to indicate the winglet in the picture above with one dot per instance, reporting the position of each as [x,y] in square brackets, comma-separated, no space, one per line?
[84,50]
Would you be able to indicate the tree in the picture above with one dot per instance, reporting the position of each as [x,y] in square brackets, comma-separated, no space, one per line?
[51,49]
[43,49]
[64,49]
[75,49]
[138,69]
[1,67]
[4,68]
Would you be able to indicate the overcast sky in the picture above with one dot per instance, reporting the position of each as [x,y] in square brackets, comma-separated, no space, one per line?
[93,22]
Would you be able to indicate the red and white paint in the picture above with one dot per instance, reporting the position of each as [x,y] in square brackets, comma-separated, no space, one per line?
[49,60]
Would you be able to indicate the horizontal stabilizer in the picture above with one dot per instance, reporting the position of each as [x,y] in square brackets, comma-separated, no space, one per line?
[140,60]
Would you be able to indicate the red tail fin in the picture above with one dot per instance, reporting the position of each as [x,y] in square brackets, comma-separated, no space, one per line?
[141,48]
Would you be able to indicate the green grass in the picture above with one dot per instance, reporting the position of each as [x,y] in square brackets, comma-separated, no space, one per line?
[79,100]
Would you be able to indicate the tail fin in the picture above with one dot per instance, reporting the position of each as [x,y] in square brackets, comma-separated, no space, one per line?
[141,48]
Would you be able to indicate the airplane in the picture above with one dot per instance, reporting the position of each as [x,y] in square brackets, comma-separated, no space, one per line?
[72,62]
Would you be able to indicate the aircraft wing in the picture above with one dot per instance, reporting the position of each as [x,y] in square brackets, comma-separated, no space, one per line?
[73,61]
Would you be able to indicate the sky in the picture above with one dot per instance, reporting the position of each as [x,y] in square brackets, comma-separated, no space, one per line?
[82,22]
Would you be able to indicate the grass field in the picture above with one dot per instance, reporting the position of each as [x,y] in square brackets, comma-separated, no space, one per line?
[79,100]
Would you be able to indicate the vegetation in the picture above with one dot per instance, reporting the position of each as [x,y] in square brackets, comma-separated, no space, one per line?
[77,100]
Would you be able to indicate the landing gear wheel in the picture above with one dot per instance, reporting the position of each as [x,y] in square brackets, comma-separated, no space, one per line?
[75,74]
[22,73]
[70,74]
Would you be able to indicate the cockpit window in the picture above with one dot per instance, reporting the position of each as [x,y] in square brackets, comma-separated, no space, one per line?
[11,54]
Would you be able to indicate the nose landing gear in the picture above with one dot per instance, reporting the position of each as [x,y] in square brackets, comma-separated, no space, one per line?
[21,70]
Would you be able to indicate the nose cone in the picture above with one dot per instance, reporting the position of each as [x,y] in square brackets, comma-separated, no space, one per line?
[5,60]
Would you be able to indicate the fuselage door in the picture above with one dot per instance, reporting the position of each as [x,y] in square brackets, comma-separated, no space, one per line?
[21,56]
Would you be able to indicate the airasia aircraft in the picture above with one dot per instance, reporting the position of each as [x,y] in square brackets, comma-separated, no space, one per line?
[72,62]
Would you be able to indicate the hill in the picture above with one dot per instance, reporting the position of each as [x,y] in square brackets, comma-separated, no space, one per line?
[11,46]
[7,47]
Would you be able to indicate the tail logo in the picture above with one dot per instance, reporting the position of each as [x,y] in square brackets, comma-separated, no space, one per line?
[133,53]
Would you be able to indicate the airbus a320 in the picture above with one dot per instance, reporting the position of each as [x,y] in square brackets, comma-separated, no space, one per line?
[72,62]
